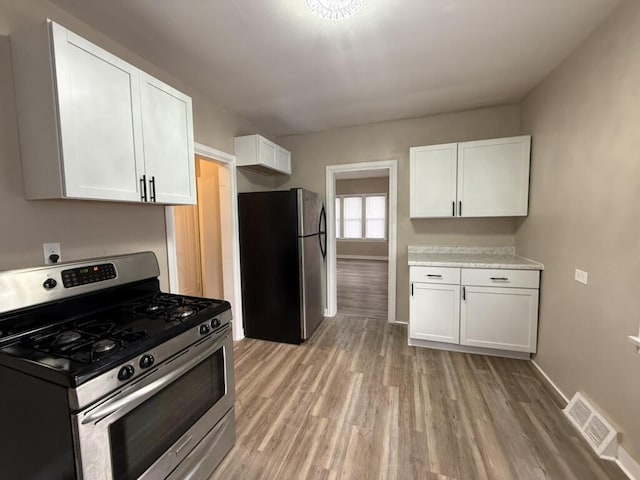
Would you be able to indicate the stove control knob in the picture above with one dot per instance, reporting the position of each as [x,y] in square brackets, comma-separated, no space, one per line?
[204,329]
[146,361]
[126,372]
[49,283]
[215,323]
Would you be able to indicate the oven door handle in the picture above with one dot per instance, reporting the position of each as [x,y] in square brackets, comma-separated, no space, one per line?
[148,391]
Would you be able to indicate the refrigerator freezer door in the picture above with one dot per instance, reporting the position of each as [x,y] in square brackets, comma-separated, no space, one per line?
[311,265]
[309,208]
[269,263]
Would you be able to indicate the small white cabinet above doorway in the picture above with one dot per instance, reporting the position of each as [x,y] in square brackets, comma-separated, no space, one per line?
[486,178]
[94,127]
[262,155]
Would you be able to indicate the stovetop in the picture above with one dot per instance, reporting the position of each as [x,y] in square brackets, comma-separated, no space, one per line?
[74,341]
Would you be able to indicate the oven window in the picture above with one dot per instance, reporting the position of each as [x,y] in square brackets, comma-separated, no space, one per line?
[140,437]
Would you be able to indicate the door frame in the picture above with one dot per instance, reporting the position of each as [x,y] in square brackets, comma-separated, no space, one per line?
[332,288]
[228,162]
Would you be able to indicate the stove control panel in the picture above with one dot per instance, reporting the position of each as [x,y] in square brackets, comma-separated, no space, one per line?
[85,275]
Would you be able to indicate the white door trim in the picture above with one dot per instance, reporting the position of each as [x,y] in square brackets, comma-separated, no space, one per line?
[332,170]
[229,162]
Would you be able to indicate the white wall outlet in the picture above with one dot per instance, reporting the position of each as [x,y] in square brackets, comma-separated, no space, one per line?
[49,250]
[582,277]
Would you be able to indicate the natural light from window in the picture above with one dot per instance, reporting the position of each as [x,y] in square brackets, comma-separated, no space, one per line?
[361,217]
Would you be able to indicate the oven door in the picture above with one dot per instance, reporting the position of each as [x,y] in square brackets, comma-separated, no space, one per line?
[146,429]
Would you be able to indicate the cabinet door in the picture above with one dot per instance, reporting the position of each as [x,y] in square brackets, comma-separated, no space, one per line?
[99,115]
[433,181]
[500,318]
[283,160]
[493,177]
[167,124]
[266,152]
[434,312]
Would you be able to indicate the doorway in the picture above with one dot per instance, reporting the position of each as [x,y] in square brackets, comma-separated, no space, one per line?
[357,170]
[202,239]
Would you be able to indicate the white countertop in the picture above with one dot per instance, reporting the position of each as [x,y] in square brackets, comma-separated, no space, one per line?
[470,257]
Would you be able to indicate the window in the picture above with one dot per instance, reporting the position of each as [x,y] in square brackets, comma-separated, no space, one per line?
[361,217]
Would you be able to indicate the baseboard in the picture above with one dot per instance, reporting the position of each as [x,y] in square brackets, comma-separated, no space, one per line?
[548,379]
[363,257]
[626,462]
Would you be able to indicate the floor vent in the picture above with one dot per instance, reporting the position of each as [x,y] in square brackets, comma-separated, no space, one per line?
[593,426]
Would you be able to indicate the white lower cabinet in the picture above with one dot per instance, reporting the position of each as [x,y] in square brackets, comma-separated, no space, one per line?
[435,312]
[479,316]
[499,318]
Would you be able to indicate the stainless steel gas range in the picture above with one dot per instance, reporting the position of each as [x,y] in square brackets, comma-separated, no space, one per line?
[103,376]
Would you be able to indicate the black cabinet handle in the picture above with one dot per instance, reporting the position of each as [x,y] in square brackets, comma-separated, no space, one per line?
[143,188]
[460,208]
[434,276]
[412,289]
[453,208]
[464,293]
[500,279]
[152,185]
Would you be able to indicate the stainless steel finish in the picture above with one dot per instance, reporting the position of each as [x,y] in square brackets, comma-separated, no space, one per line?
[310,262]
[23,288]
[91,426]
[209,452]
[311,279]
[98,387]
[309,207]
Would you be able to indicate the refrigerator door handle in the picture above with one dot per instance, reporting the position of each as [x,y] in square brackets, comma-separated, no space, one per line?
[322,229]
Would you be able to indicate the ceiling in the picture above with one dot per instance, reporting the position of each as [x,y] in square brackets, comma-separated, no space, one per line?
[288,71]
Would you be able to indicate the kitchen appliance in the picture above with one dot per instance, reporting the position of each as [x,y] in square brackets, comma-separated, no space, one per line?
[282,248]
[104,376]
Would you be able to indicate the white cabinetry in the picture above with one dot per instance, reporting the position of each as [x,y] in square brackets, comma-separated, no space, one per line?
[488,178]
[493,309]
[94,127]
[433,181]
[262,155]
[434,307]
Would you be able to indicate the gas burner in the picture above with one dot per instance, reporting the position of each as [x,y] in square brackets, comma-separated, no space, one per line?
[103,346]
[154,307]
[66,338]
[181,313]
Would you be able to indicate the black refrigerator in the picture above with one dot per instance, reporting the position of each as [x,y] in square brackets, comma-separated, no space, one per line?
[282,250]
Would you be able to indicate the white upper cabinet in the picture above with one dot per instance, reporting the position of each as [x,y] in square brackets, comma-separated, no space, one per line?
[493,177]
[94,127]
[262,155]
[433,178]
[168,142]
[488,178]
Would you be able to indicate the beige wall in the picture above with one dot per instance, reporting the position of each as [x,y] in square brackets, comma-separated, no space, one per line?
[87,229]
[375,248]
[585,213]
[391,141]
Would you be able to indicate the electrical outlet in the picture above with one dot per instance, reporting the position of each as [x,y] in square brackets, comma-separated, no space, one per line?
[582,277]
[49,250]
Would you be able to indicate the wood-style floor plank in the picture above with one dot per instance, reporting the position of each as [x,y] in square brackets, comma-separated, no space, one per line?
[356,402]
[362,287]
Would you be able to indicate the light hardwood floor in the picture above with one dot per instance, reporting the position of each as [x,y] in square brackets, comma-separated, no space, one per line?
[356,402]
[362,287]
